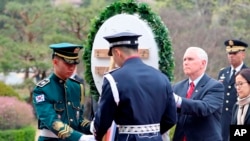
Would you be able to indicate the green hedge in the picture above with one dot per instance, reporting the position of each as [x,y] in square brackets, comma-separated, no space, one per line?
[23,134]
[8,91]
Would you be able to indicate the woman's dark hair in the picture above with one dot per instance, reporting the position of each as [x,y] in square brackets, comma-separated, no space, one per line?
[244,73]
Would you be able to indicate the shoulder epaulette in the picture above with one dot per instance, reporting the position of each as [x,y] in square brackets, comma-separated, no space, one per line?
[222,68]
[43,82]
[74,80]
[112,70]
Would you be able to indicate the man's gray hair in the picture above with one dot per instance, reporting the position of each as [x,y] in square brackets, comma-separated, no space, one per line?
[202,54]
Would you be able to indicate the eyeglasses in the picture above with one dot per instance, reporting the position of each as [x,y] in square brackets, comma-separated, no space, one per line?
[239,84]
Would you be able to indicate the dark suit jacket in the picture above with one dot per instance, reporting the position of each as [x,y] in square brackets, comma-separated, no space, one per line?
[199,117]
[234,116]
[230,97]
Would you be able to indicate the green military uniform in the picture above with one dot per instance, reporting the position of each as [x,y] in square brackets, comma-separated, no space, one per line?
[59,109]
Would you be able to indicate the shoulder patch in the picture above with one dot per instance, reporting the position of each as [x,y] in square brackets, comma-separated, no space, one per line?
[40,98]
[43,82]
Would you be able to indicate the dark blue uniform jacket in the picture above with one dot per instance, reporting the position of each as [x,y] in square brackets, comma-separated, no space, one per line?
[146,97]
[230,97]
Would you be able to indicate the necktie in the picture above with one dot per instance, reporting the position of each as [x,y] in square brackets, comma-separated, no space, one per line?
[189,94]
[232,80]
[190,90]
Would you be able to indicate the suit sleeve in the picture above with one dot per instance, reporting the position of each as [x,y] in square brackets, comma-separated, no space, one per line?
[209,101]
[103,118]
[169,118]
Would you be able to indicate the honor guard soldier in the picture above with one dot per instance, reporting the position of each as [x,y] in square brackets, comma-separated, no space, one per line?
[139,98]
[236,54]
[58,99]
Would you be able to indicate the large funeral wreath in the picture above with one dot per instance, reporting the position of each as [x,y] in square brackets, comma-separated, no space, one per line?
[161,35]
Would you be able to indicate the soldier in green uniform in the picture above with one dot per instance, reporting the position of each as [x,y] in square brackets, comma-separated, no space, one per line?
[58,99]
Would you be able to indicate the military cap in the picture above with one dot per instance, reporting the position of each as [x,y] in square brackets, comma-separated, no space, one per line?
[122,39]
[233,46]
[67,51]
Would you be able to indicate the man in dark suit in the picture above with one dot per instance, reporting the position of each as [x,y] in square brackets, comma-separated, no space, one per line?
[146,107]
[199,110]
[235,54]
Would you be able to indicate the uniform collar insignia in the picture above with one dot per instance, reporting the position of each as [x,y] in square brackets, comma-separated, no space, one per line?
[43,82]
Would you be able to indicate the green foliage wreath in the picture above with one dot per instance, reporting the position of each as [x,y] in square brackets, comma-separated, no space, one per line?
[166,61]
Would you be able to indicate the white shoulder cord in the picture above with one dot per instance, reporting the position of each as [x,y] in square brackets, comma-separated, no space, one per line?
[112,129]
[113,87]
[116,99]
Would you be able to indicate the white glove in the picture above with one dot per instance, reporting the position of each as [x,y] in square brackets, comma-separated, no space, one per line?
[176,97]
[87,138]
[92,128]
[165,136]
[178,100]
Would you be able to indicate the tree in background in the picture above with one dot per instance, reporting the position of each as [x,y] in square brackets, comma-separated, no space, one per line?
[25,25]
[29,27]
[206,24]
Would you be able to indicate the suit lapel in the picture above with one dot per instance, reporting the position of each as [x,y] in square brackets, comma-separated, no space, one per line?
[184,85]
[243,67]
[234,115]
[200,85]
[247,117]
[185,89]
[228,72]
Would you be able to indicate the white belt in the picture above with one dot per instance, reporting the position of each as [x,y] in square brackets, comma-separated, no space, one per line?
[47,133]
[139,129]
